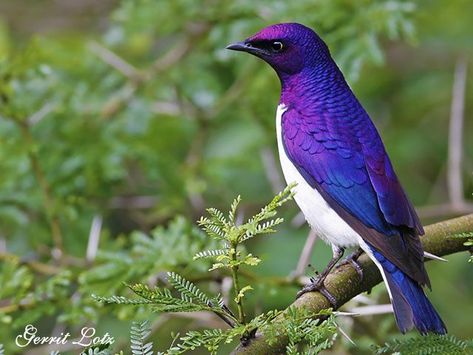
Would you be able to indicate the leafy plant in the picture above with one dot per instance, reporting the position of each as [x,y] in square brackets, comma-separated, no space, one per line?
[427,345]
[231,256]
[468,243]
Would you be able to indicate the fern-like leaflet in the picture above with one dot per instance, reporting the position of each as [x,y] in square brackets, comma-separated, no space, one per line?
[188,290]
[139,332]
[120,300]
[429,344]
[209,254]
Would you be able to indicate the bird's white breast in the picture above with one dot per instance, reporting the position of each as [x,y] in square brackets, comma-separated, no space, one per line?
[321,218]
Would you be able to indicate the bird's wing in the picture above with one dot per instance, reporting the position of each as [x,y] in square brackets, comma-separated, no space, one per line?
[346,162]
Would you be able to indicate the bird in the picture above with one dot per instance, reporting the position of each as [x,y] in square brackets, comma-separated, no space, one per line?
[346,185]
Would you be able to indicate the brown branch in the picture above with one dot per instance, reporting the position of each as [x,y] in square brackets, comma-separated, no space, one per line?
[440,239]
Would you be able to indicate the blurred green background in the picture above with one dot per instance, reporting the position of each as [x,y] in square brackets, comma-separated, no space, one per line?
[121,121]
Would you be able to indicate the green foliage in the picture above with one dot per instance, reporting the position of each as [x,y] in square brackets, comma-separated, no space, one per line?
[208,338]
[138,334]
[162,250]
[301,327]
[136,123]
[89,127]
[33,298]
[304,332]
[306,335]
[428,345]
[161,298]
[468,243]
[228,231]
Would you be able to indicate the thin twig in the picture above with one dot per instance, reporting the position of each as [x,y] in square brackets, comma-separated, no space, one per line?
[48,199]
[41,113]
[114,60]
[169,108]
[372,309]
[444,210]
[455,138]
[94,237]
[229,321]
[36,266]
[271,168]
[174,55]
[236,285]
[305,254]
[119,99]
[133,202]
[298,221]
[345,334]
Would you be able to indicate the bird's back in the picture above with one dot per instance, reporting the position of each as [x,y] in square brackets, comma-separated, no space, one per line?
[332,142]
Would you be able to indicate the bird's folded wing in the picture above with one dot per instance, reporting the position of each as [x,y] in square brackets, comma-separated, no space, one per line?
[346,162]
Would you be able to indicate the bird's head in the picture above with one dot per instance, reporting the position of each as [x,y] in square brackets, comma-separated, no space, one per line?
[287,47]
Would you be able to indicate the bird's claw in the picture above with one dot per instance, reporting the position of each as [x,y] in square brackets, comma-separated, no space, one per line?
[352,260]
[355,265]
[317,285]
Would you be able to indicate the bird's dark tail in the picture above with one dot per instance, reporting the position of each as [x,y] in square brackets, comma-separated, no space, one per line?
[411,305]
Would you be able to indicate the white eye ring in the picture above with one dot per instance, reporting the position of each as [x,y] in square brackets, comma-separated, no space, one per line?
[277,46]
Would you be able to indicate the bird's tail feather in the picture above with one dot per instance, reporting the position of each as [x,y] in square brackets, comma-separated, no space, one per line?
[411,305]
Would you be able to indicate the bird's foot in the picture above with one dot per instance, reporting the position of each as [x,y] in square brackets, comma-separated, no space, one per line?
[352,260]
[317,284]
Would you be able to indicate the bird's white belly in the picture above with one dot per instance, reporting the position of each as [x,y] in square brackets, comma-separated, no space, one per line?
[321,218]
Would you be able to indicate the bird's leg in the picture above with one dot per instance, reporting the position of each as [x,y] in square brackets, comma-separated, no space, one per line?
[352,260]
[317,284]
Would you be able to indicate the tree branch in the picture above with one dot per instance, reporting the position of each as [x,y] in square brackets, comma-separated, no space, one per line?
[344,284]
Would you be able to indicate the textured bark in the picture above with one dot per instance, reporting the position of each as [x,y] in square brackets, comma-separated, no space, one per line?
[344,283]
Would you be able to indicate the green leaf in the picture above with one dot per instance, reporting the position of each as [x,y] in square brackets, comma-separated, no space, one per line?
[251,260]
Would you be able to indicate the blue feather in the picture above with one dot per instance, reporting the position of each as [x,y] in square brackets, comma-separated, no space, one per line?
[411,305]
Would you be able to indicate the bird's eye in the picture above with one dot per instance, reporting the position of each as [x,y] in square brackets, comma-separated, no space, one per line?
[277,46]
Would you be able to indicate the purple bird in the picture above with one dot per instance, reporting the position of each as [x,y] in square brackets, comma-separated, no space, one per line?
[346,185]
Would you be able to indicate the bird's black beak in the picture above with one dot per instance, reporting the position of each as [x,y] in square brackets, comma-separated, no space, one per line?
[246,46]
[238,46]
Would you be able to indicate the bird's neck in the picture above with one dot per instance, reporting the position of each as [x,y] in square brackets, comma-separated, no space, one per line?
[314,86]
